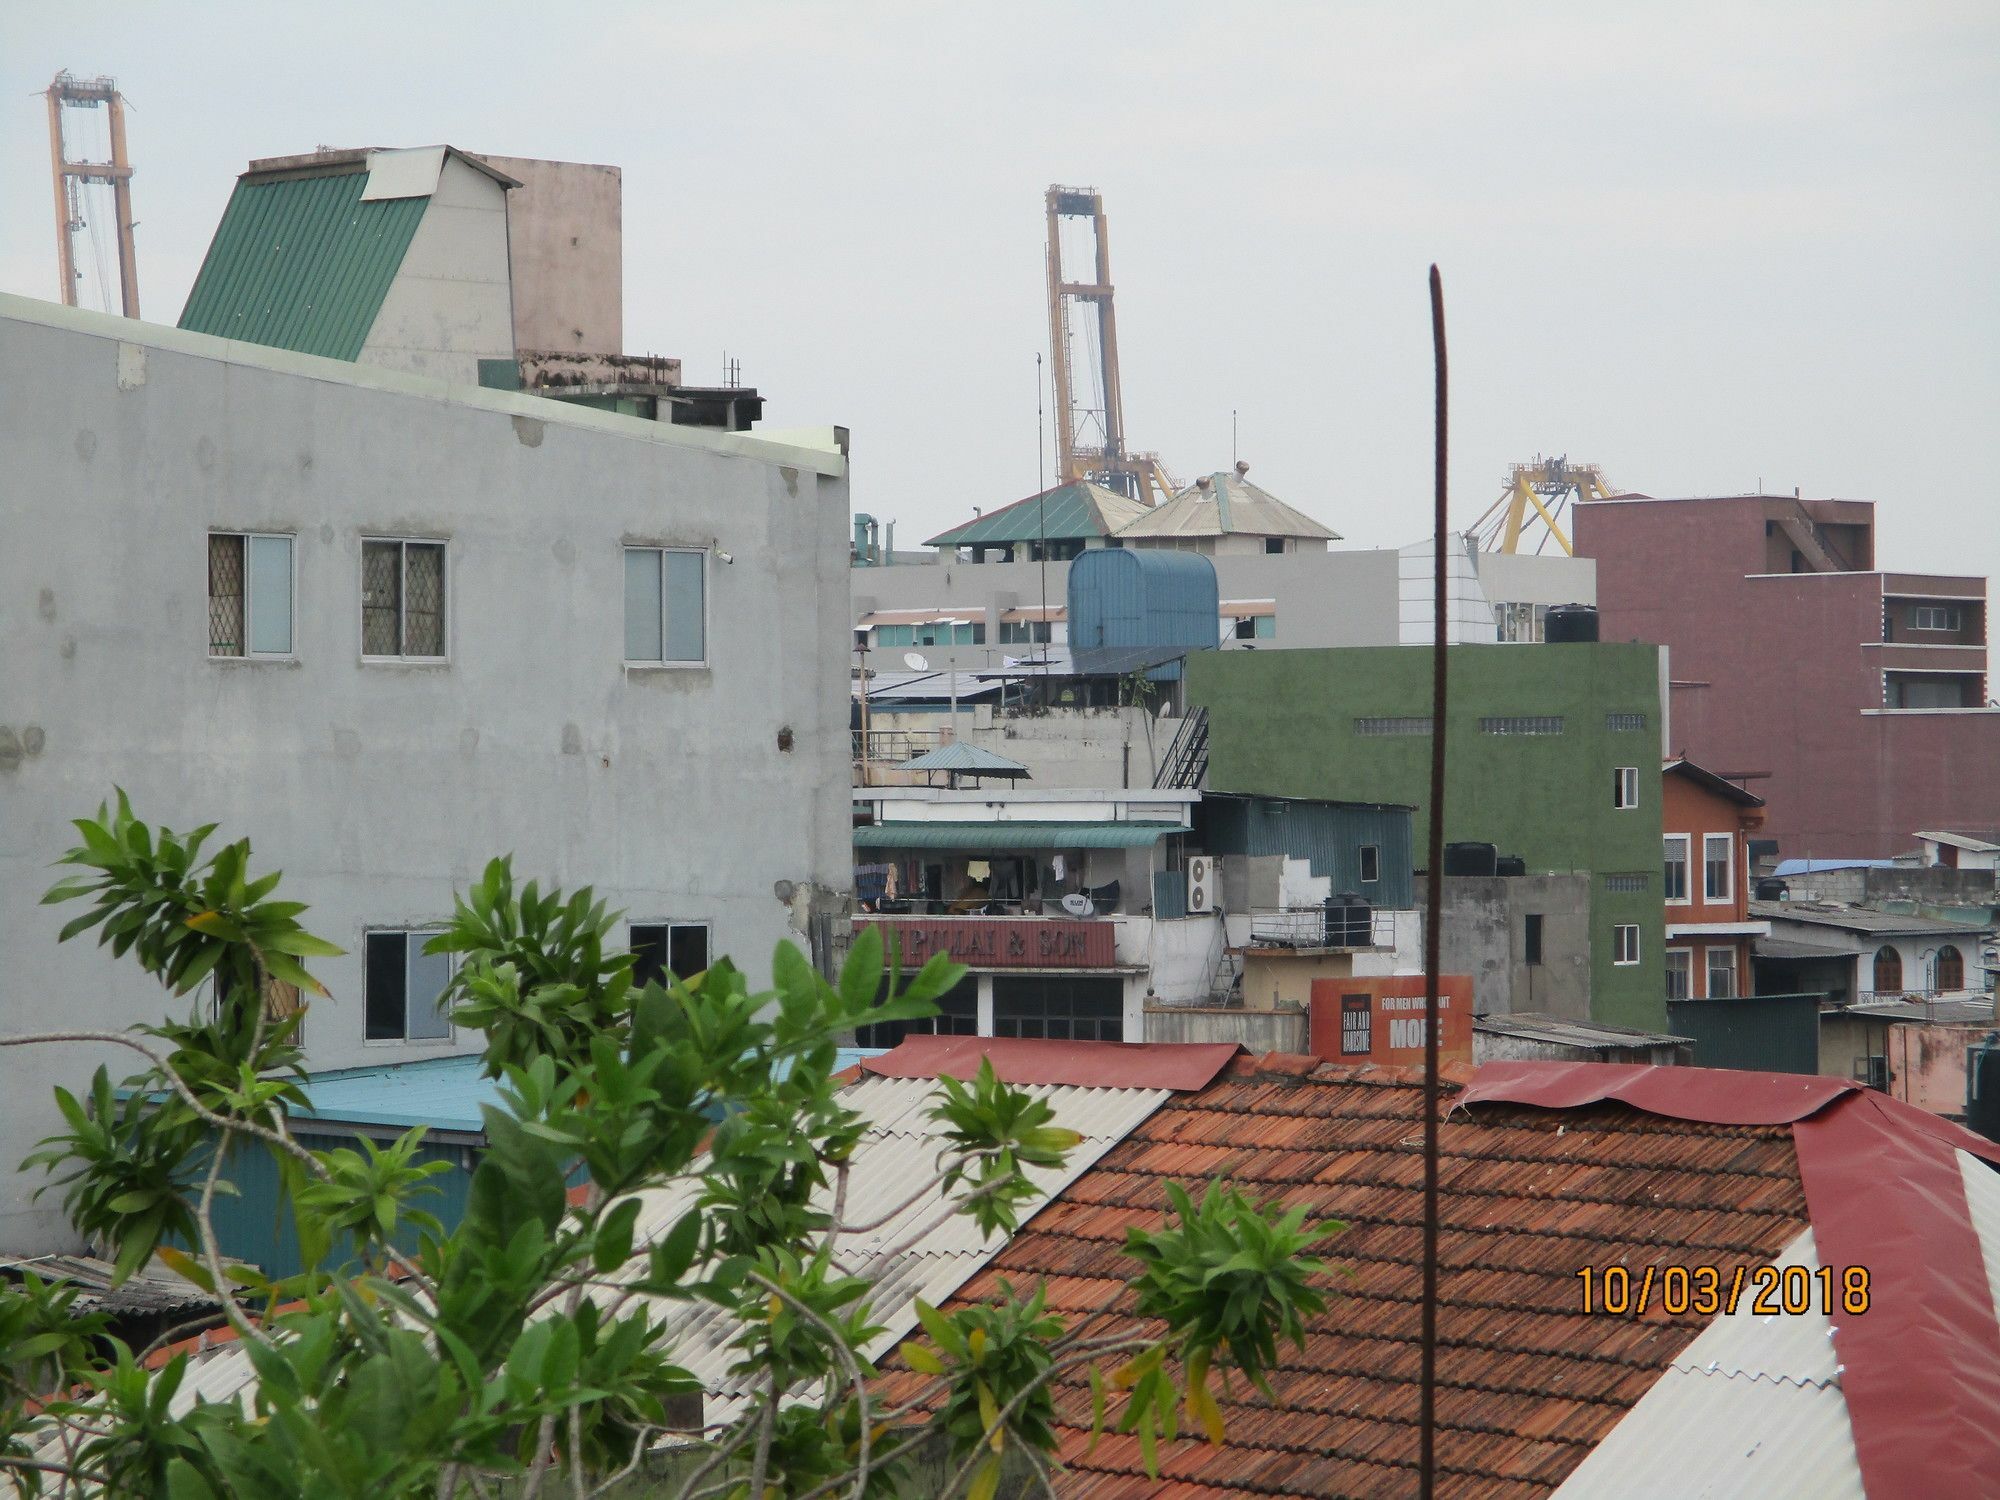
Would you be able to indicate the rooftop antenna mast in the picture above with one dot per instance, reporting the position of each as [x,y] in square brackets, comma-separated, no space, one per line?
[69,177]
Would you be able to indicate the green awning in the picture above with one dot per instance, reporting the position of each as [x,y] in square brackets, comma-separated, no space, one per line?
[982,837]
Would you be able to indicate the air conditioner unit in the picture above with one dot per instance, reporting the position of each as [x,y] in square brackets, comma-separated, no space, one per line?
[1203,871]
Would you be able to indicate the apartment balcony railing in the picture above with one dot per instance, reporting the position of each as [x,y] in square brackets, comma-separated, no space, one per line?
[1349,927]
[894,746]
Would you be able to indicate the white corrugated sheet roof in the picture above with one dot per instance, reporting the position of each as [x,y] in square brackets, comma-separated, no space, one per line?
[920,1249]
[1226,504]
[1752,1407]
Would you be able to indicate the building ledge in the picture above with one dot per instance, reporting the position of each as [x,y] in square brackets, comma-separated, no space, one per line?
[1718,929]
[1988,711]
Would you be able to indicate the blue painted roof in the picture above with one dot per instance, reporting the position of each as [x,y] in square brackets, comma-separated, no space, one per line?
[443,1093]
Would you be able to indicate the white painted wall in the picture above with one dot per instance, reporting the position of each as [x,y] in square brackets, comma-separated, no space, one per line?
[380,789]
[451,304]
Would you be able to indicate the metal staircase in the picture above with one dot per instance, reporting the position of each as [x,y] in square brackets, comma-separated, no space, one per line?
[1186,765]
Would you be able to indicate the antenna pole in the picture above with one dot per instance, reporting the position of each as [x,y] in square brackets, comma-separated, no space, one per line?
[1433,901]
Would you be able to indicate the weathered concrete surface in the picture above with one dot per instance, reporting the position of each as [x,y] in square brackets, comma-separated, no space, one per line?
[1482,933]
[565,239]
[450,305]
[379,789]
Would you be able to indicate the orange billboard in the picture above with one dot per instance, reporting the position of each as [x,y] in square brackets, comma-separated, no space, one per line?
[1380,1019]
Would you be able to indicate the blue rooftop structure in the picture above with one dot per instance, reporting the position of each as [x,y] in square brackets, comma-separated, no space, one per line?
[1816,866]
[1121,597]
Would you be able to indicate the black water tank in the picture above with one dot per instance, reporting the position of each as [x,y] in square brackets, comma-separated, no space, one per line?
[1510,864]
[1769,889]
[1470,859]
[1349,920]
[1570,622]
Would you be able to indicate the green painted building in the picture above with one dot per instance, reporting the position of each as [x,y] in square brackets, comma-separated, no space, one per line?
[1552,754]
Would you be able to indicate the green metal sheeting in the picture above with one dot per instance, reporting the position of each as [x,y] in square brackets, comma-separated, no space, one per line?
[1329,836]
[302,264]
[977,838]
[1761,1033]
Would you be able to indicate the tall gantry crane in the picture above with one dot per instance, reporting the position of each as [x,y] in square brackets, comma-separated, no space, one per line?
[71,93]
[1538,490]
[1090,434]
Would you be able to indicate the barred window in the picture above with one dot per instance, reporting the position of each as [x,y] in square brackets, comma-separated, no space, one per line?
[1625,884]
[249,594]
[402,599]
[1412,724]
[1624,723]
[1522,724]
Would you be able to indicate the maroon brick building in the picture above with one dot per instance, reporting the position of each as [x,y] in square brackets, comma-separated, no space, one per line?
[1858,700]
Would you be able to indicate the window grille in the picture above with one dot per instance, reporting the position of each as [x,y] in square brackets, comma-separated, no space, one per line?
[1624,723]
[1522,724]
[1411,724]
[225,595]
[1625,884]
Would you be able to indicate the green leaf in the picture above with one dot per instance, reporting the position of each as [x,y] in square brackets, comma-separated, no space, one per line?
[613,1246]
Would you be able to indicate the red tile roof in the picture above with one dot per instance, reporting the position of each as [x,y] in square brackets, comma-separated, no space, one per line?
[1527,1383]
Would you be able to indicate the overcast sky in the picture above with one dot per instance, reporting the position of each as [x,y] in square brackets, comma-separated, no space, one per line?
[1704,245]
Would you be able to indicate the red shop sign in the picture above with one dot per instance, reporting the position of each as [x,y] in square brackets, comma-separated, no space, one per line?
[1000,942]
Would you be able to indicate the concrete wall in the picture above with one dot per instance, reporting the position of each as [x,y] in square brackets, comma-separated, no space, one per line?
[1488,1047]
[1927,1064]
[450,305]
[1930,889]
[1484,927]
[1468,612]
[1258,1030]
[1283,723]
[381,788]
[565,240]
[1536,578]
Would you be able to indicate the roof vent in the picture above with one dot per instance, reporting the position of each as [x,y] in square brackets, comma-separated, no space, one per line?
[1204,483]
[1242,467]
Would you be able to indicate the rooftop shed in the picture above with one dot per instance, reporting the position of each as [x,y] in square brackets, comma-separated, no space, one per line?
[1120,599]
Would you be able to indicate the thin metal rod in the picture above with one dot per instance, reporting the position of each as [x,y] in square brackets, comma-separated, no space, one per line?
[1433,901]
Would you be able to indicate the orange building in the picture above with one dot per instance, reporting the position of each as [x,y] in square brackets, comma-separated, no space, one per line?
[1707,822]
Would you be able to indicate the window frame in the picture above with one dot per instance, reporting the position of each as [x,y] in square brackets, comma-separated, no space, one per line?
[1534,939]
[1624,788]
[1708,969]
[1686,897]
[450,1037]
[668,925]
[1954,620]
[445,585]
[1618,931]
[1708,896]
[291,541]
[1938,986]
[1363,857]
[1678,961]
[1875,985]
[681,664]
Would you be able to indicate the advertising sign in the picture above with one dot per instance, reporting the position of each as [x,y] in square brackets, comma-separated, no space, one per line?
[1380,1019]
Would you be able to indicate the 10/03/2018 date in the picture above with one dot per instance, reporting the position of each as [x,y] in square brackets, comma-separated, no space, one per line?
[1622,1292]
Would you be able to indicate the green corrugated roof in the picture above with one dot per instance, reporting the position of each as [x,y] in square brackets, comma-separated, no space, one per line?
[985,836]
[1079,510]
[302,263]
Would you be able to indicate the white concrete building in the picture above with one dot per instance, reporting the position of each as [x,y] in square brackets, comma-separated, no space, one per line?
[388,627]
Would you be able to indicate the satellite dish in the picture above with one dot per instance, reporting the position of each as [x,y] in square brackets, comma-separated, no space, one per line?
[1165,704]
[915,662]
[1077,904]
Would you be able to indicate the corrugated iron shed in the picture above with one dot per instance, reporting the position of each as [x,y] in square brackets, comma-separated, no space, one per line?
[302,263]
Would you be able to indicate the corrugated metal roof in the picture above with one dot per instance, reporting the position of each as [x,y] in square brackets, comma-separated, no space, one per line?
[1762,1396]
[1180,1066]
[1226,504]
[918,1250]
[961,755]
[144,1292]
[1022,835]
[1069,512]
[444,1093]
[1537,1026]
[302,263]
[1863,919]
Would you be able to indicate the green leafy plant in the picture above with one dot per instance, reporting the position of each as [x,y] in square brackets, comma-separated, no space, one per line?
[532,1346]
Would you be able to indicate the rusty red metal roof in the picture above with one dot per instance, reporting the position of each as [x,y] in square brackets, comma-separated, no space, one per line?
[1181,1066]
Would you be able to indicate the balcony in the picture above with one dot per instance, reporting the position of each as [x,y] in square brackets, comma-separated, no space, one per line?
[1321,929]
